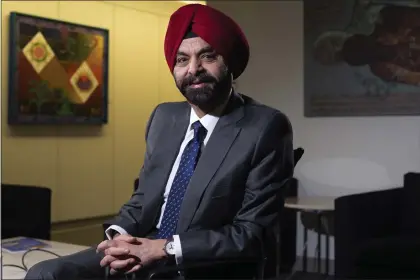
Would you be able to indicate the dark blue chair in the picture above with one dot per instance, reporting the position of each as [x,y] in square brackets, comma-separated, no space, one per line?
[25,211]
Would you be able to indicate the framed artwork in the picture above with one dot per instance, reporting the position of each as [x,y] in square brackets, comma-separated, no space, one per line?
[361,57]
[58,72]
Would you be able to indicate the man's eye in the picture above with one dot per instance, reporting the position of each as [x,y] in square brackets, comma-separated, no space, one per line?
[208,56]
[181,60]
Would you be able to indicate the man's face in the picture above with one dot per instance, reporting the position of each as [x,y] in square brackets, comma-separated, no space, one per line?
[201,74]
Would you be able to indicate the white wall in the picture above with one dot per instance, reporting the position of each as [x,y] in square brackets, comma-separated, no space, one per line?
[342,155]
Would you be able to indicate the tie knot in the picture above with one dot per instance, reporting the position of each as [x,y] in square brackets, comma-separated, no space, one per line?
[197,125]
[199,131]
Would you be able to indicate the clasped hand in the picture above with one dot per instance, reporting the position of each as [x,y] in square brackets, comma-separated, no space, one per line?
[128,254]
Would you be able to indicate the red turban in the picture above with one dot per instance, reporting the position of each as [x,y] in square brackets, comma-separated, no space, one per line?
[214,27]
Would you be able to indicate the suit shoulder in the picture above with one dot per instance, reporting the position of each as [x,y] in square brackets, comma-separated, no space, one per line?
[171,107]
[262,113]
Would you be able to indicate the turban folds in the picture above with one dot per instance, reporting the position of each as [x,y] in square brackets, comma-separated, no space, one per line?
[214,27]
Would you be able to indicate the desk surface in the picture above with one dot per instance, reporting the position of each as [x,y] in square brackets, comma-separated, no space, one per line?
[34,257]
[311,203]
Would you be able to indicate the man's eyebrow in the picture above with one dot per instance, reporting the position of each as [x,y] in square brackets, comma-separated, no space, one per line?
[181,53]
[203,50]
[206,50]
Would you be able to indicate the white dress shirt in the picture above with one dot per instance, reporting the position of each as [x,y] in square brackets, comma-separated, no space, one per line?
[209,122]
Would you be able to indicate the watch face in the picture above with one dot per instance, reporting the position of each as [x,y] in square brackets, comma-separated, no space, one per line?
[170,248]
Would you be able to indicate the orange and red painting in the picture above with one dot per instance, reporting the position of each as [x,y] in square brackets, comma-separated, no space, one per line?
[58,72]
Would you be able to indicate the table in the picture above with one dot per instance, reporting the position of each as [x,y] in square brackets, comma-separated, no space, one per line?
[318,205]
[34,257]
[311,203]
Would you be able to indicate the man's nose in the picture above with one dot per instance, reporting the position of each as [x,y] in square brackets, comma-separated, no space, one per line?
[195,66]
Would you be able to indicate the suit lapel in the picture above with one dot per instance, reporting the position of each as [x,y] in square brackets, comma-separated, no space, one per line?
[211,159]
[164,153]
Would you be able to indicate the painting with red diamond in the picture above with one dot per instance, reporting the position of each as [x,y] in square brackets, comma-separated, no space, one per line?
[58,72]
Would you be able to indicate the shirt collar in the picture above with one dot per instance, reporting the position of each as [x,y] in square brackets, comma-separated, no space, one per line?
[208,121]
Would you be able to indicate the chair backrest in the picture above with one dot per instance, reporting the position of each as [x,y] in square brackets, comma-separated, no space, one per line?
[297,154]
[286,253]
[410,208]
[25,211]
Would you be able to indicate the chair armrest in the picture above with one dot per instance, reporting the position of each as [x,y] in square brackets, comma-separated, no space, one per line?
[172,268]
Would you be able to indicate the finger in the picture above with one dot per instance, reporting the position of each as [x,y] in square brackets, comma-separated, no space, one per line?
[107,260]
[135,268]
[129,269]
[126,238]
[100,246]
[121,264]
[105,244]
[115,251]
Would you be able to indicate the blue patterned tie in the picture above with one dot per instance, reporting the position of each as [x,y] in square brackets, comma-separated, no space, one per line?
[182,178]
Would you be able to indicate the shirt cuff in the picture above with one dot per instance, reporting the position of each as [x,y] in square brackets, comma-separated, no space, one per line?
[110,232]
[178,249]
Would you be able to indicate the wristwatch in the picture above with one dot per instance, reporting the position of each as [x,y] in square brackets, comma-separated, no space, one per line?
[169,247]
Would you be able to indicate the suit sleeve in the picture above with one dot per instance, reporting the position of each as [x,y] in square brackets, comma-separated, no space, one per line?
[128,216]
[272,166]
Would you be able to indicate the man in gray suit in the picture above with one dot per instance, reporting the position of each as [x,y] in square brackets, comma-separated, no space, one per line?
[213,169]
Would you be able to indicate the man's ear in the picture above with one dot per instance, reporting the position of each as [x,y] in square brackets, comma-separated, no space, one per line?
[234,83]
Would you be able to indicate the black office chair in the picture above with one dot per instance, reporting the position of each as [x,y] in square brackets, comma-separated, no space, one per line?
[256,265]
[25,211]
[165,271]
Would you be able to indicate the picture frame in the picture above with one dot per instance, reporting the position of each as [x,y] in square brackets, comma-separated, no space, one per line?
[361,58]
[58,72]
